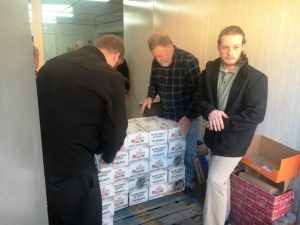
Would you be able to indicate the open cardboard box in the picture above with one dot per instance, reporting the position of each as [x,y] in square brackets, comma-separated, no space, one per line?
[273,160]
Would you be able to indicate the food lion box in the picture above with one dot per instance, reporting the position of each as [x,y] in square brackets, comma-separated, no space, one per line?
[252,205]
[108,208]
[108,220]
[121,159]
[106,175]
[120,201]
[177,146]
[138,196]
[136,136]
[157,191]
[121,173]
[107,191]
[138,154]
[157,134]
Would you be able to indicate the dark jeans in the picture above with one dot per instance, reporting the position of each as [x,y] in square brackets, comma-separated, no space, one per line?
[73,199]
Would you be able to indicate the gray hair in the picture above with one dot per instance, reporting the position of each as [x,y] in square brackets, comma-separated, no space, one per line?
[159,38]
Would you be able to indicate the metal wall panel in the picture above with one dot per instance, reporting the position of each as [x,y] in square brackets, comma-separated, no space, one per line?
[22,189]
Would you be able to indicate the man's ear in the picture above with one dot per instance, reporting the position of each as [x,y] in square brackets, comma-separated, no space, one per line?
[117,56]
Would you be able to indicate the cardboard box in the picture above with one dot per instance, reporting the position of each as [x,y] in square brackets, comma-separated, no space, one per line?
[138,167]
[106,175]
[252,205]
[121,173]
[157,191]
[121,187]
[136,136]
[157,163]
[138,182]
[138,196]
[158,151]
[120,201]
[259,183]
[158,177]
[273,160]
[107,191]
[138,154]
[108,208]
[121,159]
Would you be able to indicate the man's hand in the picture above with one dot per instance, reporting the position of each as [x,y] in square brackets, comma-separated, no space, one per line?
[215,120]
[185,125]
[147,103]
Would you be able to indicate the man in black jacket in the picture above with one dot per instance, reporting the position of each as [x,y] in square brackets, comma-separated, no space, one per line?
[232,97]
[82,113]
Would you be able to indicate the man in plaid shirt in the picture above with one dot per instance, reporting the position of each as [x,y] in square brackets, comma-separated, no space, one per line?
[174,77]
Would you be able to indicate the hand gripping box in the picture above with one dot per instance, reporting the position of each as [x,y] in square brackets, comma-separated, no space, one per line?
[252,205]
[273,160]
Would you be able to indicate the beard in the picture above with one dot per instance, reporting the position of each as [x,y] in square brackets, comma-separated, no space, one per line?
[164,63]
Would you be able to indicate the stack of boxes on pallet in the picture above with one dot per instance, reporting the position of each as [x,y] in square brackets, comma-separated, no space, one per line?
[261,194]
[149,165]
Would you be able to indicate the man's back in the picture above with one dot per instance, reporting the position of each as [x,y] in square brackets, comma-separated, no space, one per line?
[76,94]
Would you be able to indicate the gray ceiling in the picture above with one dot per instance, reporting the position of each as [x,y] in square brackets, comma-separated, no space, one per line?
[90,12]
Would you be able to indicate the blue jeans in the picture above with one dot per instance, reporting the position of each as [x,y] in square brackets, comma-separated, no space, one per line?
[190,152]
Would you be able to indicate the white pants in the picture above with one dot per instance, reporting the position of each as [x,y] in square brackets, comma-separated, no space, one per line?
[217,197]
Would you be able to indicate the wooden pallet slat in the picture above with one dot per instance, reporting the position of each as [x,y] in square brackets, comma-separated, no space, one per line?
[166,210]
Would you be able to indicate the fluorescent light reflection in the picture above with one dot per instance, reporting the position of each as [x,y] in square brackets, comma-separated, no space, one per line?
[50,12]
[138,4]
[98,0]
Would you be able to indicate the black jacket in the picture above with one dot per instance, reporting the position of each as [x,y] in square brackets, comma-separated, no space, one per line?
[82,111]
[246,107]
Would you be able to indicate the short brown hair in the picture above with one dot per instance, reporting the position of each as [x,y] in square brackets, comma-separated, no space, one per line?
[159,38]
[231,30]
[111,43]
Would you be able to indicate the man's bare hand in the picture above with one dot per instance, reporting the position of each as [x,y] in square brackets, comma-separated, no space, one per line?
[185,125]
[147,103]
[215,120]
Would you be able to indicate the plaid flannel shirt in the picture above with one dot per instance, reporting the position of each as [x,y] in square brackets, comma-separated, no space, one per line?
[175,84]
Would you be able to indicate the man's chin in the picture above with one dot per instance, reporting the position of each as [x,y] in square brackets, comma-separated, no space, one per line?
[230,63]
[164,64]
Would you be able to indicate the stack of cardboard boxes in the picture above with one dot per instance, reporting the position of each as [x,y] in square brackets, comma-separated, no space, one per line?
[260,195]
[149,165]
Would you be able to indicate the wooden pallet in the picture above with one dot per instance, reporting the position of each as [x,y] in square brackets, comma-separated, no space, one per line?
[176,209]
